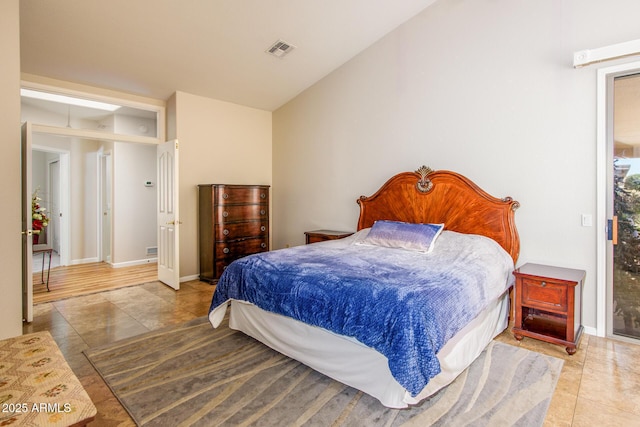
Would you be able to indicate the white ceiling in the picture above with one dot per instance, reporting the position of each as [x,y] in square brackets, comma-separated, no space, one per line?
[212,48]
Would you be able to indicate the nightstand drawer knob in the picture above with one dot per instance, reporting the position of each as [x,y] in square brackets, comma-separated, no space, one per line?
[543,284]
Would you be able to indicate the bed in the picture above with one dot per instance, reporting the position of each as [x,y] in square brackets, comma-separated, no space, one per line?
[400,308]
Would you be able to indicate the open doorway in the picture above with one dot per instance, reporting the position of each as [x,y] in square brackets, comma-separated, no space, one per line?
[107,192]
[50,175]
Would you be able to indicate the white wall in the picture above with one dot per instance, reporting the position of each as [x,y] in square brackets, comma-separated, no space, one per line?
[220,142]
[10,214]
[134,205]
[482,87]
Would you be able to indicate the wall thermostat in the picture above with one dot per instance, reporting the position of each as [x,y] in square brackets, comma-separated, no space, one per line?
[148,184]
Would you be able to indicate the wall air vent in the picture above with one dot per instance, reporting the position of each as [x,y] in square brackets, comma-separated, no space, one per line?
[280,48]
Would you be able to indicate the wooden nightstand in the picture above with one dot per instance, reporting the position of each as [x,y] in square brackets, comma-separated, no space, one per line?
[548,304]
[322,235]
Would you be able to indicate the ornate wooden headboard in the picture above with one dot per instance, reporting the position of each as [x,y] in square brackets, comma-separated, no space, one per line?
[428,196]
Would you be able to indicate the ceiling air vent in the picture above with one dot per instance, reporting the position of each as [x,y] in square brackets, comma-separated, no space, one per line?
[280,48]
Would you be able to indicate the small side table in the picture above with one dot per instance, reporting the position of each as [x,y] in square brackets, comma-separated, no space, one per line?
[44,250]
[323,235]
[548,304]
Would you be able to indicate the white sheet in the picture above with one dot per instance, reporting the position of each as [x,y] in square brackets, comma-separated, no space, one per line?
[352,363]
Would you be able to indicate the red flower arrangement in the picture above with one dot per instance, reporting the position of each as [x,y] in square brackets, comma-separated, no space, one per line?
[39,218]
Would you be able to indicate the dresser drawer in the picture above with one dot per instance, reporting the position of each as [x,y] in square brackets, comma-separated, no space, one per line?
[240,248]
[230,194]
[237,230]
[234,213]
[544,294]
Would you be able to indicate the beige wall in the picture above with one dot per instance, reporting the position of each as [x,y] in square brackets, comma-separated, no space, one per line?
[220,143]
[483,87]
[10,214]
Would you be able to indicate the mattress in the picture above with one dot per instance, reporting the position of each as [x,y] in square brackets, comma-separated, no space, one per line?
[353,363]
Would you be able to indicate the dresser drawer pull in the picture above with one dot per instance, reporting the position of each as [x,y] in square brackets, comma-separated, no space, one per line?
[225,196]
[262,196]
[225,232]
[263,228]
[262,212]
[543,284]
[225,214]
[225,250]
[263,245]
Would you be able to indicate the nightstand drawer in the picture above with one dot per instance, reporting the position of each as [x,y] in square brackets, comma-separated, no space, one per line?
[544,294]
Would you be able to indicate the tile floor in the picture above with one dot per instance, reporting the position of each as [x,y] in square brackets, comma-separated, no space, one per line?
[599,385]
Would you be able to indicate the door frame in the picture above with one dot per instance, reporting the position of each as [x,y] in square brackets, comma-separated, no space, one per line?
[604,181]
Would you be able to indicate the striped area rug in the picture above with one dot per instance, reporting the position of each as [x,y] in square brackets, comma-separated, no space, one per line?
[195,375]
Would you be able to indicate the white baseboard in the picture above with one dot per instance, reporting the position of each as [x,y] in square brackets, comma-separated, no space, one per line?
[82,261]
[188,278]
[132,263]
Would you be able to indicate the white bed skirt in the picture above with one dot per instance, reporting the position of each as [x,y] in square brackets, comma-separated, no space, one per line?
[350,362]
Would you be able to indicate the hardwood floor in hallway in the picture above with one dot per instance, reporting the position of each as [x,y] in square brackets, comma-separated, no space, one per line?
[84,279]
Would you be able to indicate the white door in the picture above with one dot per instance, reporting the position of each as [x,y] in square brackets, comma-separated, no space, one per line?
[168,229]
[27,232]
[53,236]
[105,207]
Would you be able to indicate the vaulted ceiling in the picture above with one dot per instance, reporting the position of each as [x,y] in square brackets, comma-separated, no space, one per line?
[212,48]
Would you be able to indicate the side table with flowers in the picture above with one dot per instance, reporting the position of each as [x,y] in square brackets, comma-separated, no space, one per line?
[39,218]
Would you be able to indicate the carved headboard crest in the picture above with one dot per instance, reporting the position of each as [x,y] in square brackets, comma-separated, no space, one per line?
[424,185]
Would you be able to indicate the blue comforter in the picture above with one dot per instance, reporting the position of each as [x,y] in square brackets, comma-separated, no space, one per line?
[402,303]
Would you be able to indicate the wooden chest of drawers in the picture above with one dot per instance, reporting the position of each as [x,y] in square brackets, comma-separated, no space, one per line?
[233,221]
